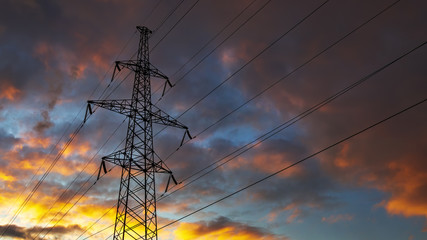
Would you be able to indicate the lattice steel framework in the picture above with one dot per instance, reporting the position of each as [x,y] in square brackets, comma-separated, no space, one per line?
[136,216]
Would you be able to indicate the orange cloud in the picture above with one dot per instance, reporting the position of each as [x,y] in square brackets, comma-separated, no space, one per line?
[295,213]
[270,163]
[221,229]
[7,177]
[77,148]
[245,51]
[178,206]
[389,163]
[408,191]
[8,91]
[35,142]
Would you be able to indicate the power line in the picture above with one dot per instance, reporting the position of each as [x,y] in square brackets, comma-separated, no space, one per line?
[303,114]
[222,42]
[288,123]
[75,179]
[283,126]
[291,165]
[179,20]
[256,56]
[53,149]
[30,195]
[287,75]
[100,231]
[151,12]
[59,155]
[78,200]
[208,42]
[23,204]
[27,184]
[251,60]
[93,224]
[168,16]
[88,164]
[297,162]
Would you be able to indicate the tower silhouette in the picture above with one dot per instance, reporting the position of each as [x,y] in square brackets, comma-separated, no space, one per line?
[136,216]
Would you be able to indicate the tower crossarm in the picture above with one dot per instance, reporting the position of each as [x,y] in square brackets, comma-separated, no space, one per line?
[135,65]
[154,72]
[119,158]
[122,106]
[161,117]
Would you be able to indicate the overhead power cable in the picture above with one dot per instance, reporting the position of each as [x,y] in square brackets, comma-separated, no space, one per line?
[283,126]
[28,183]
[292,165]
[286,76]
[177,22]
[250,61]
[286,124]
[151,12]
[30,195]
[94,223]
[91,160]
[255,57]
[56,145]
[168,16]
[78,200]
[290,122]
[207,43]
[59,155]
[222,42]
[72,182]
[298,162]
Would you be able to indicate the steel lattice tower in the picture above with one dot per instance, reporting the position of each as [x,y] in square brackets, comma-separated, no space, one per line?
[136,216]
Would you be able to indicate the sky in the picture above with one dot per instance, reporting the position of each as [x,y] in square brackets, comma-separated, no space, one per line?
[261,85]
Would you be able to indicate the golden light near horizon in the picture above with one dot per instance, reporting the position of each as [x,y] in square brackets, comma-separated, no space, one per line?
[303,115]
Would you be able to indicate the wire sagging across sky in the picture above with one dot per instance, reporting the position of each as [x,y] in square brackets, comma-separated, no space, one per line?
[334,74]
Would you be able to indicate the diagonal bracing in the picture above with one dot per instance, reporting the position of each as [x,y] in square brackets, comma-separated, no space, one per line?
[137,184]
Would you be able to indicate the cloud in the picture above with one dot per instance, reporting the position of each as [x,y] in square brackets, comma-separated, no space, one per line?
[19,232]
[43,125]
[390,160]
[49,69]
[222,228]
[8,91]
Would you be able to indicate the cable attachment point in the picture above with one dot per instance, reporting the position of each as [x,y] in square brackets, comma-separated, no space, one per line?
[88,110]
[167,82]
[187,133]
[102,167]
[167,184]
[116,67]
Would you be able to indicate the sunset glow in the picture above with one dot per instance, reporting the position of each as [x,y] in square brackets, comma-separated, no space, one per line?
[308,118]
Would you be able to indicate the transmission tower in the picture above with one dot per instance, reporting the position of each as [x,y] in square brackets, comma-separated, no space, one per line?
[136,216]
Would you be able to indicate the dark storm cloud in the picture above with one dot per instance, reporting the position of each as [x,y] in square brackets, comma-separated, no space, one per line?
[389,154]
[60,46]
[46,123]
[55,52]
[7,140]
[360,54]
[15,231]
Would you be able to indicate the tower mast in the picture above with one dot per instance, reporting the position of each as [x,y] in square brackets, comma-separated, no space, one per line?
[136,216]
